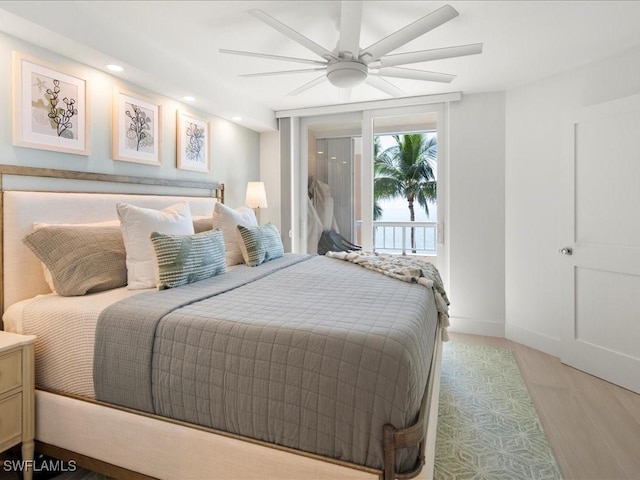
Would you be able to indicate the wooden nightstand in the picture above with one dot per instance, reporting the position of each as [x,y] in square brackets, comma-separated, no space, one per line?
[17,389]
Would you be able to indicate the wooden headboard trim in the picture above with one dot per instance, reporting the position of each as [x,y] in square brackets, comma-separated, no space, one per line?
[217,188]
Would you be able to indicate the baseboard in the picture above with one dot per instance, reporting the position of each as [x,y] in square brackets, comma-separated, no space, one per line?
[530,338]
[544,343]
[476,326]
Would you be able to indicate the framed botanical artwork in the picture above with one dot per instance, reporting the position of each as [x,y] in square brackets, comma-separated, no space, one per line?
[50,107]
[136,128]
[193,142]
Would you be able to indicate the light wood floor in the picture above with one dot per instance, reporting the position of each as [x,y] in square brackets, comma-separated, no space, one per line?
[592,425]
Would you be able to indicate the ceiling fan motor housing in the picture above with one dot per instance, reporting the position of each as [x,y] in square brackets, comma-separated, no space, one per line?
[346,74]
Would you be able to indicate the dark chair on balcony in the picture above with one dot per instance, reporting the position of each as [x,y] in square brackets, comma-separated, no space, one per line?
[332,241]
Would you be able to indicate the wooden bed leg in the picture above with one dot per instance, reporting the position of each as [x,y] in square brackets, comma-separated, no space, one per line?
[389,452]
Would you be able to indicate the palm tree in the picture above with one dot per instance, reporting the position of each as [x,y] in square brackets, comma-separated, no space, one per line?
[406,170]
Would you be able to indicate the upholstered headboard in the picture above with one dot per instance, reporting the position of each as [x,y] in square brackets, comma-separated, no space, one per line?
[22,271]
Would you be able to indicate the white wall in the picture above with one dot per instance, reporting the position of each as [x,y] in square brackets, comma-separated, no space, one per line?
[532,193]
[476,214]
[270,175]
[234,151]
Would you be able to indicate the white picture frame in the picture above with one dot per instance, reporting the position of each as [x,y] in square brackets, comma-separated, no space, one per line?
[192,139]
[50,107]
[137,132]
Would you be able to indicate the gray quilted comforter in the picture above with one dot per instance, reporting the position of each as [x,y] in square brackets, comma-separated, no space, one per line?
[308,352]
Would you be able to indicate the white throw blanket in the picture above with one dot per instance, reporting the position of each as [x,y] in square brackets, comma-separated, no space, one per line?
[407,269]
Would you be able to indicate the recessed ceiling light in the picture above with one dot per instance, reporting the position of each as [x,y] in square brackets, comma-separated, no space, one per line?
[114,68]
[236,118]
[189,98]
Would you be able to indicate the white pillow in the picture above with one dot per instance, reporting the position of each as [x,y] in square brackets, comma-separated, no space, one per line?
[137,224]
[227,219]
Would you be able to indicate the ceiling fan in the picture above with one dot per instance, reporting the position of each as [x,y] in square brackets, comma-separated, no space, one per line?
[349,65]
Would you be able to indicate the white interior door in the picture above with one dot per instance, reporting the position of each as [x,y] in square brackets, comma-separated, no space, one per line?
[601,279]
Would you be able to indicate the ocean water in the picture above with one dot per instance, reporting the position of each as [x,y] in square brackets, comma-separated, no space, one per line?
[397,210]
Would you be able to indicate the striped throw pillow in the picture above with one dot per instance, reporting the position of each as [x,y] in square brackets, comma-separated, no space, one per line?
[260,244]
[183,259]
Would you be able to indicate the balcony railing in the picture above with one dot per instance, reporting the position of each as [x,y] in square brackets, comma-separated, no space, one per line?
[395,237]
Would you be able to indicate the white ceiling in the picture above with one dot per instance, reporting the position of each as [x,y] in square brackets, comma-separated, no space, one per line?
[172,46]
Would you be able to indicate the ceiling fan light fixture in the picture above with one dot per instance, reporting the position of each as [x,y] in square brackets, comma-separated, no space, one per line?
[346,74]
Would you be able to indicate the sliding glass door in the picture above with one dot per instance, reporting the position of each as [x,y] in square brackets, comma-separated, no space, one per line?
[336,173]
[405,164]
[374,179]
[332,182]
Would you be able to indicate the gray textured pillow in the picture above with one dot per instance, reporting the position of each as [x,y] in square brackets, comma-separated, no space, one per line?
[82,259]
[260,244]
[183,259]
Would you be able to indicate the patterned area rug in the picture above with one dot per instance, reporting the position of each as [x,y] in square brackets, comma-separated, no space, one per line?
[488,427]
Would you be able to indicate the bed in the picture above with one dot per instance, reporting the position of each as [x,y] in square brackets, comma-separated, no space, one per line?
[314,368]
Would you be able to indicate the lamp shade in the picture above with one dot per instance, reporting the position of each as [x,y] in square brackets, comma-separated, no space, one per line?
[256,196]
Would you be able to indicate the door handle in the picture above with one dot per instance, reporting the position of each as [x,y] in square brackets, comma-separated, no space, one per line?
[566,251]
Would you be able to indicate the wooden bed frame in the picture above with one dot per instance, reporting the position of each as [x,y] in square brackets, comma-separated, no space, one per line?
[128,444]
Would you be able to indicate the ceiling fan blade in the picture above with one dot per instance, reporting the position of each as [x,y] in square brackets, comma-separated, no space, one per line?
[384,86]
[272,57]
[307,86]
[282,72]
[408,33]
[398,72]
[350,22]
[428,55]
[293,35]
